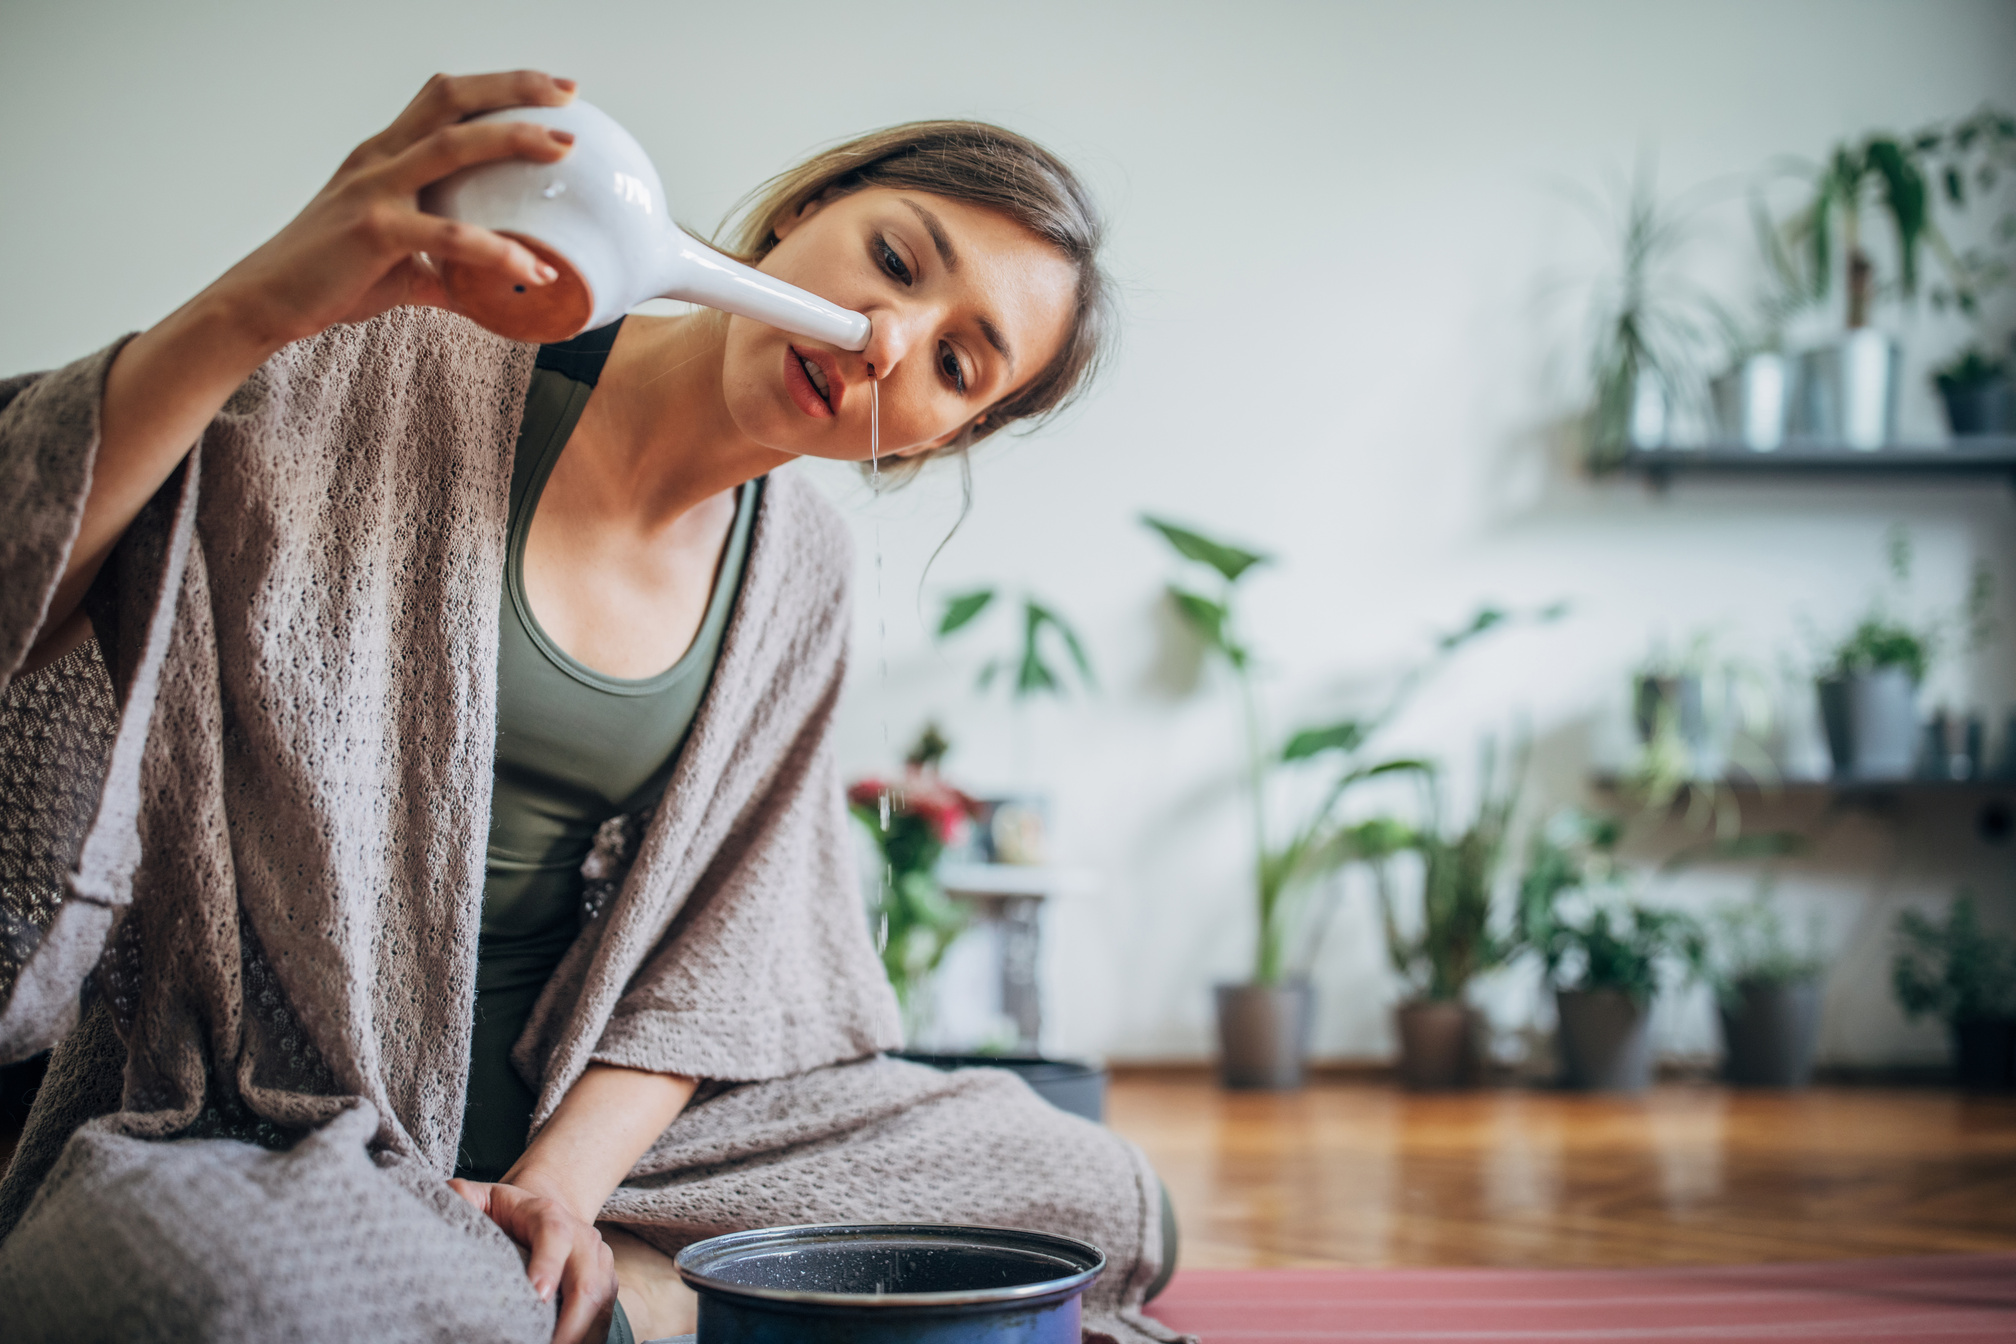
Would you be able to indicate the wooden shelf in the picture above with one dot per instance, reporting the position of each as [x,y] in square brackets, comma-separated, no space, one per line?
[1982,457]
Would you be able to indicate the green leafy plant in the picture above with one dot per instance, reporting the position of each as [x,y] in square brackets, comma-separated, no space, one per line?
[1319,843]
[1974,162]
[1748,945]
[1588,936]
[1888,170]
[911,821]
[1881,640]
[1029,668]
[1956,970]
[1649,321]
[1970,368]
[1455,941]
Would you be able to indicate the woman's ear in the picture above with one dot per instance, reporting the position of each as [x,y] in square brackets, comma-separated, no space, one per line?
[783,227]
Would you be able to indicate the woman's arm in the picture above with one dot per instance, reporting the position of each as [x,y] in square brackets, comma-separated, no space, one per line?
[350,255]
[549,1199]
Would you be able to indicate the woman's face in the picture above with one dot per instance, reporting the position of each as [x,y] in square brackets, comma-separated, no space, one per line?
[965,305]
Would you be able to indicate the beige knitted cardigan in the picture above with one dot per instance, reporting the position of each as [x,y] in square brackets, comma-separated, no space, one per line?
[303,629]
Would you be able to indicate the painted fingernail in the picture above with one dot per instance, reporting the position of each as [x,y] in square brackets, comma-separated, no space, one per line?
[564,137]
[547,274]
[564,85]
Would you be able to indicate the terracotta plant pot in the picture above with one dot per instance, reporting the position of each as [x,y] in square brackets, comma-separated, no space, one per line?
[1263,1035]
[1771,1031]
[1438,1044]
[1606,1044]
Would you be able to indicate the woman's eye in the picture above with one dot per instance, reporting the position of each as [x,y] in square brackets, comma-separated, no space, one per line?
[892,263]
[955,372]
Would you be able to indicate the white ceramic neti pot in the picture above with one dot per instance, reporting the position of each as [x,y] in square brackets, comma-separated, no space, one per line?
[598,216]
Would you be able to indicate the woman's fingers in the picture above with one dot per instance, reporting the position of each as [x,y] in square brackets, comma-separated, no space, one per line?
[451,240]
[447,99]
[587,1290]
[454,147]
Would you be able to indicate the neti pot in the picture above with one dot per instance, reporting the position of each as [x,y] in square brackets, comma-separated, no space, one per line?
[598,216]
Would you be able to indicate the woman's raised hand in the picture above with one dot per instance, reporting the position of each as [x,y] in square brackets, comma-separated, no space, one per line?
[353,252]
[350,255]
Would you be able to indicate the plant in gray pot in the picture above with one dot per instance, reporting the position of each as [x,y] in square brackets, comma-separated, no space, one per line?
[1605,957]
[1976,391]
[1974,161]
[1965,973]
[1768,994]
[1454,941]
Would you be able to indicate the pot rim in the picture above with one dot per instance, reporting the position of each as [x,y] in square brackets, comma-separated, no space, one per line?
[694,1262]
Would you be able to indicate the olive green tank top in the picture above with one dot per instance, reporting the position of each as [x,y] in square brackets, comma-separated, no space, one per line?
[574,748]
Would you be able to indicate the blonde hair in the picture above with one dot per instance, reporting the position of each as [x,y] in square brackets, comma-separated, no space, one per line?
[982,165]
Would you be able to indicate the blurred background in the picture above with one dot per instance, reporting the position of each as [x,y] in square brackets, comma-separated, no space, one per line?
[1422,304]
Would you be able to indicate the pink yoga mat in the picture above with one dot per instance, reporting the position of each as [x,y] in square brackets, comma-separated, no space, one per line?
[1942,1298]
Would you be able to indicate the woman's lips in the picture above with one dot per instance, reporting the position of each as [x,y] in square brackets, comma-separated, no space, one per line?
[800,386]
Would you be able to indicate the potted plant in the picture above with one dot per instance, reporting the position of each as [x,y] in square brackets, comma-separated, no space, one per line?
[1011,829]
[1974,161]
[1455,941]
[1976,392]
[1605,958]
[1648,324]
[1768,994]
[1264,1022]
[1965,974]
[1869,689]
[1848,389]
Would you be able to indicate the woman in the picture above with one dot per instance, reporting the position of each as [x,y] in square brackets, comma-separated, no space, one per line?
[471,808]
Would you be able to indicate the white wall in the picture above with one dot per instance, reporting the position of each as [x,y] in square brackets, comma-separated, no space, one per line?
[1347,342]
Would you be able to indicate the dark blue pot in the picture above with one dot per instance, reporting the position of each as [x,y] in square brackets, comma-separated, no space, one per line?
[892,1283]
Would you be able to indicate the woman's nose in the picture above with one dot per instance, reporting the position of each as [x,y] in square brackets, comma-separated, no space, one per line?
[891,336]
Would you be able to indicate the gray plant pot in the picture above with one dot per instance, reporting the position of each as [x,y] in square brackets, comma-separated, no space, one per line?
[1753,402]
[1263,1035]
[1771,1031]
[1438,1044]
[1977,409]
[1681,697]
[1872,723]
[1848,392]
[1606,1042]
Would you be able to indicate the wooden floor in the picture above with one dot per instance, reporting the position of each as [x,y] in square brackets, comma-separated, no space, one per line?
[1362,1174]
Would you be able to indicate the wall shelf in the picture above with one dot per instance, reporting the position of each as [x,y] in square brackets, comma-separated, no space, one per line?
[1982,457]
[1991,800]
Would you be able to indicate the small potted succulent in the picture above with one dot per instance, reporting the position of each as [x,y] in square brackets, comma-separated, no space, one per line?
[1606,957]
[1966,974]
[1768,993]
[1979,400]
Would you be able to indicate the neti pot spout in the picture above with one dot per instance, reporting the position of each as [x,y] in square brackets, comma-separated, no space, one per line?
[599,217]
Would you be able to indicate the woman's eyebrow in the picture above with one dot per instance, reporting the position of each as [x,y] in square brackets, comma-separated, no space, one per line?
[950,258]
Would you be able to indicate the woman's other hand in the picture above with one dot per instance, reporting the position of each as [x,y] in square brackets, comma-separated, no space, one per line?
[567,1256]
[351,254]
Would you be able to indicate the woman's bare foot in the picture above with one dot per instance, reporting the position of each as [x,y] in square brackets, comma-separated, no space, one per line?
[654,1297]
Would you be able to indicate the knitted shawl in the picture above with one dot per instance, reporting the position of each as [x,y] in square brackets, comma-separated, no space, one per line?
[282,742]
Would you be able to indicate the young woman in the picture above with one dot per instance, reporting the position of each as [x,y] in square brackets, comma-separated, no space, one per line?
[464,804]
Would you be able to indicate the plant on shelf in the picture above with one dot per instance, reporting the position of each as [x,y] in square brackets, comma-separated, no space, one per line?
[1697,715]
[1974,162]
[911,821]
[1029,668]
[1964,974]
[1883,167]
[1650,323]
[1605,955]
[1868,686]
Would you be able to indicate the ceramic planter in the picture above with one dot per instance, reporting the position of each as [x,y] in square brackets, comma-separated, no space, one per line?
[1984,1054]
[1753,402]
[1606,1041]
[1263,1035]
[1771,1030]
[1438,1044]
[1975,410]
[1848,392]
[1872,723]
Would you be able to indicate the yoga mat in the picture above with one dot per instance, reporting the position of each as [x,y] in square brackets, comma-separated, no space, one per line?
[1944,1298]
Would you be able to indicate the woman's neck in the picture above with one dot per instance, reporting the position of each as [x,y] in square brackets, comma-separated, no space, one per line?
[656,438]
